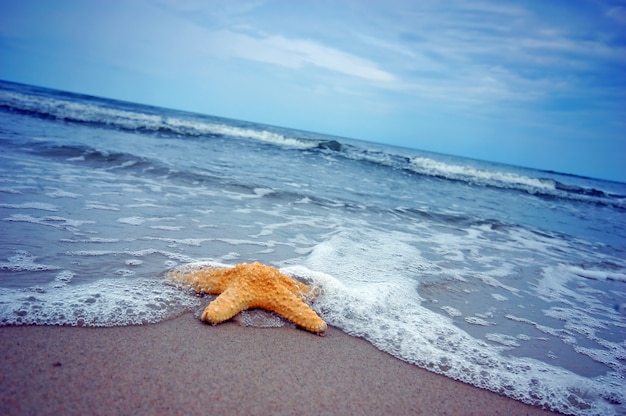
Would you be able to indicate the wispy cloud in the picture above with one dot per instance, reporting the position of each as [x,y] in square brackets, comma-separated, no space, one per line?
[618,13]
[294,53]
[478,51]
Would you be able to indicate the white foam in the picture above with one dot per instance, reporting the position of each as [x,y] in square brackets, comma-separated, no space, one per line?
[263,191]
[23,261]
[60,193]
[65,276]
[107,302]
[261,135]
[131,120]
[432,167]
[101,205]
[259,318]
[132,220]
[369,284]
[239,242]
[553,286]
[76,111]
[597,274]
[90,240]
[32,205]
[175,257]
[230,256]
[167,227]
[503,339]
[51,221]
[347,255]
[143,205]
[452,312]
[176,241]
[13,191]
[474,320]
[124,272]
[389,317]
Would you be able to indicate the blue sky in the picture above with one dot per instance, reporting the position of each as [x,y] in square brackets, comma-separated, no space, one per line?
[533,83]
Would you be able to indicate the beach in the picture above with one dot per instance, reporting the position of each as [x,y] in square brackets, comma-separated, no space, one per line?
[506,278]
[182,366]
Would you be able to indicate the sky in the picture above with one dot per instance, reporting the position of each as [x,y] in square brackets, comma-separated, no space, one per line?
[540,84]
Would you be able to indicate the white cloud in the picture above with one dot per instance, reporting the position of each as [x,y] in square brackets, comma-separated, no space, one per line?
[618,13]
[295,53]
[394,47]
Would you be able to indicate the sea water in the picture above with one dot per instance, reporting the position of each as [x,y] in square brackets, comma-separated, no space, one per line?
[510,279]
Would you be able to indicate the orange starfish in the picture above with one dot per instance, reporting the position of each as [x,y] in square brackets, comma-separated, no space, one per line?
[247,286]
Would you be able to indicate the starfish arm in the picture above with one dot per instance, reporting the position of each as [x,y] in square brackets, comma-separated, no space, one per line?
[225,306]
[299,289]
[292,308]
[211,281]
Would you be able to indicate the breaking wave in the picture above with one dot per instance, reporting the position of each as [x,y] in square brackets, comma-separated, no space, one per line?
[145,119]
[139,121]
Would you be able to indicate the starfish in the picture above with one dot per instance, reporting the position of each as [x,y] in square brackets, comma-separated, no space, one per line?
[247,286]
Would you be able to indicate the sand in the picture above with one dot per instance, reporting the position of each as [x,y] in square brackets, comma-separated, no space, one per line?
[184,367]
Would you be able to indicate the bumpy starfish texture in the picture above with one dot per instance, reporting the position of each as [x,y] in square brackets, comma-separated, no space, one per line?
[248,286]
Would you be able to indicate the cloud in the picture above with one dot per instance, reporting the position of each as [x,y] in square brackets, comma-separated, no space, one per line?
[478,51]
[290,37]
[465,53]
[295,53]
[618,13]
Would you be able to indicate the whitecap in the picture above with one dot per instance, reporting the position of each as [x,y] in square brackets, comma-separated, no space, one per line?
[452,312]
[503,339]
[32,205]
[132,220]
[474,320]
[60,193]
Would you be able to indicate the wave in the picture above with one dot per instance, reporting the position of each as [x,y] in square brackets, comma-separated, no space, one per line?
[144,119]
[509,180]
[126,119]
[430,167]
[542,187]
[142,166]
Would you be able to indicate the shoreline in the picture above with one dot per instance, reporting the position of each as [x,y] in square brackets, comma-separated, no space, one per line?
[183,367]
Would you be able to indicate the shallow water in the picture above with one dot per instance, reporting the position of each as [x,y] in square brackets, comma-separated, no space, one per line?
[506,278]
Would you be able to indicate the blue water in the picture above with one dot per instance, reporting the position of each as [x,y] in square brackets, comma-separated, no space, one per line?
[510,279]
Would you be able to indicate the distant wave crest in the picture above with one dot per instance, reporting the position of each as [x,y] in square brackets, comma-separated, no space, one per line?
[96,111]
[499,179]
[82,112]
[542,187]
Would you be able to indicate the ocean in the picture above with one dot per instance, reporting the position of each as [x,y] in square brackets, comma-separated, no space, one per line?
[507,278]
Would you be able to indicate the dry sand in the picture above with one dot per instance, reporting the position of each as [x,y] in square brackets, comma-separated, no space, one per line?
[183,367]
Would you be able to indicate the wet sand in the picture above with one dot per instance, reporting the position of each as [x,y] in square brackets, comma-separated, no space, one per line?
[184,367]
